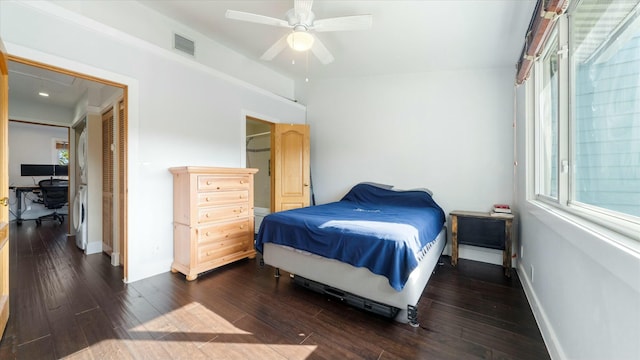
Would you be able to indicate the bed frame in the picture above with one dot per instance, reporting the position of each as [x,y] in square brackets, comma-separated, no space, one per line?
[358,286]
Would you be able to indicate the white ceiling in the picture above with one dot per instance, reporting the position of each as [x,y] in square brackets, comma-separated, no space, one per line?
[26,81]
[406,37]
[65,91]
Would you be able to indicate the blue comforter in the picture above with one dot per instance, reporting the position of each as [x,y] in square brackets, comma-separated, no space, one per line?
[386,231]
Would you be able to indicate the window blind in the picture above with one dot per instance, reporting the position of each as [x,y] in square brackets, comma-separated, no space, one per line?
[540,26]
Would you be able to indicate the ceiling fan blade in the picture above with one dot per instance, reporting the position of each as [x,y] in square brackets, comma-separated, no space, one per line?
[275,49]
[255,18]
[321,52]
[345,23]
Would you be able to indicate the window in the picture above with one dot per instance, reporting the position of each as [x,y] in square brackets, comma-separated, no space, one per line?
[548,97]
[61,152]
[592,168]
[606,105]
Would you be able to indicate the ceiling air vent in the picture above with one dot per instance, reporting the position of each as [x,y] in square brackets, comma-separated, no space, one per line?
[183,44]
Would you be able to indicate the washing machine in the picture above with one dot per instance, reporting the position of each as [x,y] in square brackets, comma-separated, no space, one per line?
[80,217]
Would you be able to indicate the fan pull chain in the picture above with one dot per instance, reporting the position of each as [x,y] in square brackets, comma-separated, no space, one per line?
[306,79]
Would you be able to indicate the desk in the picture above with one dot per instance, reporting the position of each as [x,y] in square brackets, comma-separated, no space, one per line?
[482,229]
[19,191]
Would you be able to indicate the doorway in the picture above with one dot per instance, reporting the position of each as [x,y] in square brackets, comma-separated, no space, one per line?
[258,156]
[280,152]
[98,92]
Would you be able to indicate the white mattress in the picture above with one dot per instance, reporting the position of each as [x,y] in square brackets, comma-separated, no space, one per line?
[358,281]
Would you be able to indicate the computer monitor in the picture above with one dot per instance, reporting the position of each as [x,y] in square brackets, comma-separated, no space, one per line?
[37,170]
[61,170]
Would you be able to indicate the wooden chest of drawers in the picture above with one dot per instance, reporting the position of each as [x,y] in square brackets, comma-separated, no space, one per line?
[213,222]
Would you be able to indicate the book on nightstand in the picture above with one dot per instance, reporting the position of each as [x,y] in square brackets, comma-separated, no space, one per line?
[500,210]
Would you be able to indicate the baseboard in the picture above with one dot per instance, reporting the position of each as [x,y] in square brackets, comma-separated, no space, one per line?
[150,268]
[548,334]
[94,247]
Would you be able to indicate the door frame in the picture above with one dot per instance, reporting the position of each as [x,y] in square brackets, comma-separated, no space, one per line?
[4,189]
[124,206]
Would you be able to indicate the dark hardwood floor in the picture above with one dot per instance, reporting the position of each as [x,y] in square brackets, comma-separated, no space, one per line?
[68,305]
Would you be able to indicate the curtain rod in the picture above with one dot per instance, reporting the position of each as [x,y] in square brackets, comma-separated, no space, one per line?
[260,134]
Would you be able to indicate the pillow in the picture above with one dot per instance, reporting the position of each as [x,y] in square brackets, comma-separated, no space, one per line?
[382,186]
[428,191]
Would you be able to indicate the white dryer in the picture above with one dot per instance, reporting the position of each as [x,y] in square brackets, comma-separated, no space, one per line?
[80,217]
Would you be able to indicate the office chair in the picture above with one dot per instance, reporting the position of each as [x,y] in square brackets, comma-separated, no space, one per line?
[55,194]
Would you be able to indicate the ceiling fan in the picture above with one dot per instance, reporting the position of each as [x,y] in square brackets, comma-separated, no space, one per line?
[301,20]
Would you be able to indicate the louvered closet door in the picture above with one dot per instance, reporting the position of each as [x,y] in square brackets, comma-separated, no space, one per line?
[107,181]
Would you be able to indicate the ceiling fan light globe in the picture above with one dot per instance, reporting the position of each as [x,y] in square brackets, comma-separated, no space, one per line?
[300,40]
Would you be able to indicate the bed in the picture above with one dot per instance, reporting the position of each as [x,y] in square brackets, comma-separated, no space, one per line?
[376,248]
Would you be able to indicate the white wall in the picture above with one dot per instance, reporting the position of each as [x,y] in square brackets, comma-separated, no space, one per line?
[31,144]
[35,112]
[261,160]
[585,288]
[449,131]
[180,112]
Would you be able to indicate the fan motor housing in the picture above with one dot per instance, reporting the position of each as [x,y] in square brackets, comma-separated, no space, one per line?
[302,18]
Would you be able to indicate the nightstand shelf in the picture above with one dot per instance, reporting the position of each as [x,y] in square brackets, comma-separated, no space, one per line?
[484,230]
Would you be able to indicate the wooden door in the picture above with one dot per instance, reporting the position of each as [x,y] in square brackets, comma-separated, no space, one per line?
[290,166]
[107,181]
[4,189]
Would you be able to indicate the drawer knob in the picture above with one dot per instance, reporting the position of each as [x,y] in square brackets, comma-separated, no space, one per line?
[209,182]
[206,215]
[207,234]
[207,199]
[218,188]
[242,226]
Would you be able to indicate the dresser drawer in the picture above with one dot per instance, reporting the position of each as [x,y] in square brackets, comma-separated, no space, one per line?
[222,197]
[216,250]
[222,213]
[229,230]
[223,183]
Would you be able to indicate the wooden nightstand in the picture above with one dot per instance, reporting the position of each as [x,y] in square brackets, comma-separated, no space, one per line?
[482,229]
